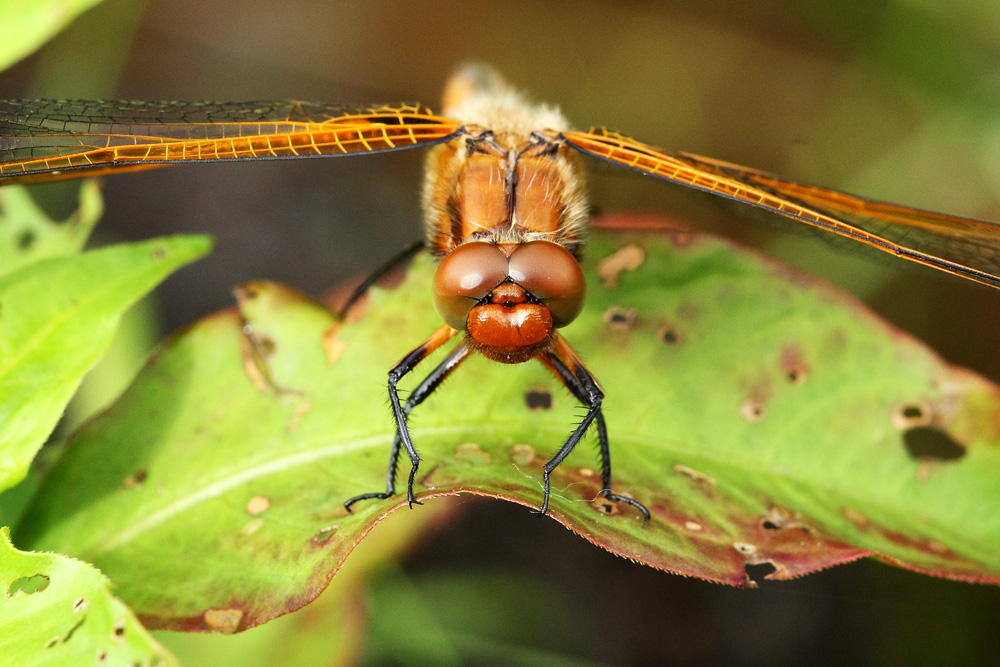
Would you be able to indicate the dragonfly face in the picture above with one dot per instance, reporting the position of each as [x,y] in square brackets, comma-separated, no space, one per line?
[504,204]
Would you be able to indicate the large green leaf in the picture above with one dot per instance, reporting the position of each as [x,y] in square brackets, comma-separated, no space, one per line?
[27,24]
[765,421]
[55,610]
[57,316]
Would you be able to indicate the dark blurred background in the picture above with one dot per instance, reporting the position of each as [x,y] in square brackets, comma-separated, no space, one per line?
[896,100]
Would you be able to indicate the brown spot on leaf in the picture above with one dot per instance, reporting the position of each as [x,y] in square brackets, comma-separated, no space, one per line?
[118,631]
[693,474]
[605,506]
[297,416]
[778,518]
[522,455]
[472,453]
[225,621]
[752,410]
[621,319]
[856,517]
[258,505]
[252,526]
[135,480]
[670,335]
[538,399]
[79,604]
[323,535]
[628,258]
[254,363]
[332,344]
[926,443]
[793,365]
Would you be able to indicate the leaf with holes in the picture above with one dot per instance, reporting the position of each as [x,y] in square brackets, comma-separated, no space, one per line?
[57,317]
[771,426]
[58,611]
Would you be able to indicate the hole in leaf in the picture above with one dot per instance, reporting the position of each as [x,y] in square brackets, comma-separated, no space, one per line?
[670,335]
[770,525]
[911,415]
[79,604]
[538,399]
[33,584]
[26,240]
[119,629]
[758,572]
[621,319]
[925,442]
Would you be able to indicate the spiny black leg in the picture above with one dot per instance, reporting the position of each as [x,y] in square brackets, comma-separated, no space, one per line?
[417,396]
[584,387]
[593,409]
[602,438]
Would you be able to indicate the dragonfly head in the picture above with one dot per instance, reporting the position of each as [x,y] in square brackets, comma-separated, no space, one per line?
[509,298]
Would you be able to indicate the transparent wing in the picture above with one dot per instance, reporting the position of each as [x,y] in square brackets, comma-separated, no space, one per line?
[961,246]
[50,139]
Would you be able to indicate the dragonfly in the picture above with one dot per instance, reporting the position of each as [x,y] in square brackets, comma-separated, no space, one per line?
[505,211]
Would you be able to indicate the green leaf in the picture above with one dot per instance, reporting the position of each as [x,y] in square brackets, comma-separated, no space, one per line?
[764,420]
[57,316]
[58,611]
[28,235]
[27,24]
[330,631]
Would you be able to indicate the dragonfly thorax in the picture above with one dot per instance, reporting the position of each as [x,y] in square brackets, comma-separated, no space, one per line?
[485,183]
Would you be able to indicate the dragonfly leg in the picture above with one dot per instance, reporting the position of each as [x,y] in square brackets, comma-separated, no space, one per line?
[566,365]
[420,393]
[395,261]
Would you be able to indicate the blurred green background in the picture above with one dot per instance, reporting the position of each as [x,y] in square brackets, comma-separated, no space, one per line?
[896,100]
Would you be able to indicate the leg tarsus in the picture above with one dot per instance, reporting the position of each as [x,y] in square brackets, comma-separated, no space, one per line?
[614,497]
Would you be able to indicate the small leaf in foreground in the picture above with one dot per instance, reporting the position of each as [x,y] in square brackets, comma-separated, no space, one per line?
[761,417]
[55,610]
[27,234]
[57,317]
[27,24]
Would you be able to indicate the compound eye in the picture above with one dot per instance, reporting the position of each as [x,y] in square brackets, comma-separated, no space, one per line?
[466,275]
[552,275]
